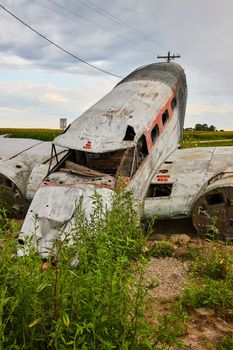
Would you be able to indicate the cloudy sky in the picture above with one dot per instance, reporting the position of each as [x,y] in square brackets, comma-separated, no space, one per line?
[40,84]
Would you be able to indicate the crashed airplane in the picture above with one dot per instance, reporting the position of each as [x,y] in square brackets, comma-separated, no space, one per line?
[129,133]
[132,133]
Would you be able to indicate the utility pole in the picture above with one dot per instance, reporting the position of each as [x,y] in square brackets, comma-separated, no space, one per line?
[169,57]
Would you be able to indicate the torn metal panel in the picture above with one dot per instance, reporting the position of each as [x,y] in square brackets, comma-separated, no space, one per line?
[46,222]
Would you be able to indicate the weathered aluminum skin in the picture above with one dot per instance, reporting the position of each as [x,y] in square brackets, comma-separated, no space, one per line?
[139,103]
[166,144]
[21,155]
[187,170]
[50,219]
[135,101]
[212,211]
[105,124]
[10,147]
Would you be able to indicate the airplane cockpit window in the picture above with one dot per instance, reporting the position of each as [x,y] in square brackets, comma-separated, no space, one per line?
[165,117]
[155,133]
[130,134]
[116,163]
[174,103]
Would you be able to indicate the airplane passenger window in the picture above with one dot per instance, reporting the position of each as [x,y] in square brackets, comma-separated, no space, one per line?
[159,190]
[155,133]
[165,117]
[141,150]
[142,146]
[174,103]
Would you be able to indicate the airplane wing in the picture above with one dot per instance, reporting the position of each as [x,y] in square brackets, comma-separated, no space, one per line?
[197,183]
[18,158]
[10,147]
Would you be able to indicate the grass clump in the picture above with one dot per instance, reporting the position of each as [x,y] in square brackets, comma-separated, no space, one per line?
[213,294]
[96,305]
[161,250]
[227,343]
[212,285]
[172,326]
[217,264]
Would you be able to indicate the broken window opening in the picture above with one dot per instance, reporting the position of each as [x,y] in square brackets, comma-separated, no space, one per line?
[155,133]
[165,117]
[141,150]
[214,199]
[114,163]
[159,190]
[107,162]
[54,155]
[127,167]
[130,134]
[174,103]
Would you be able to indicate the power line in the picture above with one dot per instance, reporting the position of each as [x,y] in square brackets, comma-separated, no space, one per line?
[138,47]
[115,19]
[58,46]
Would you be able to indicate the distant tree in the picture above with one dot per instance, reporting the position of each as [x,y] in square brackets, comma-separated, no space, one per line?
[204,127]
[198,127]
[212,128]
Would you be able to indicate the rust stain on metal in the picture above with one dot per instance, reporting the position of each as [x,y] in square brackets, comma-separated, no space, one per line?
[148,95]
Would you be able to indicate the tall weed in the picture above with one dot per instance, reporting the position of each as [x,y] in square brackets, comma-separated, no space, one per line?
[98,304]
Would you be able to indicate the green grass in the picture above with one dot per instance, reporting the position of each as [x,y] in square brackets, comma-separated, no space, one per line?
[208,135]
[160,250]
[40,134]
[98,304]
[213,139]
[212,283]
[216,144]
[227,343]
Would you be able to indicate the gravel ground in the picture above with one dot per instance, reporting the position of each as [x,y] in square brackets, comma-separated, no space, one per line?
[171,275]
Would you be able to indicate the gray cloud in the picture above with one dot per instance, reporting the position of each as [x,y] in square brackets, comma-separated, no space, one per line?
[199,30]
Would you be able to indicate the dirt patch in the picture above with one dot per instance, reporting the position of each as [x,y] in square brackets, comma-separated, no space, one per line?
[205,330]
[170,274]
[166,278]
